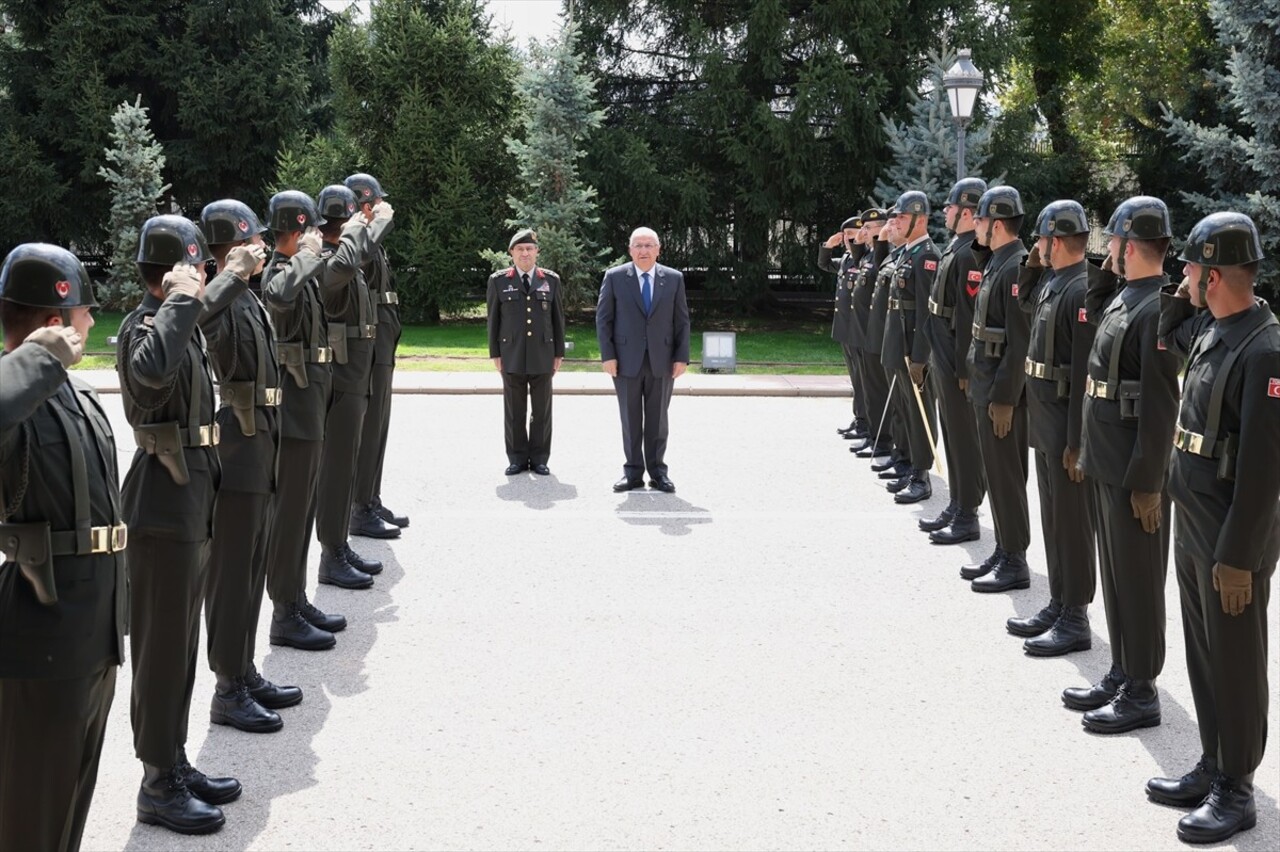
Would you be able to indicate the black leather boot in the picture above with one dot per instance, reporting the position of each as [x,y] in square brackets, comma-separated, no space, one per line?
[1228,810]
[871,450]
[268,694]
[1093,697]
[1187,791]
[919,488]
[290,628]
[215,791]
[943,520]
[1036,624]
[365,521]
[964,527]
[233,705]
[1068,634]
[983,568]
[899,484]
[880,466]
[1010,573]
[329,621]
[897,470]
[358,562]
[165,800]
[335,570]
[389,516]
[1136,705]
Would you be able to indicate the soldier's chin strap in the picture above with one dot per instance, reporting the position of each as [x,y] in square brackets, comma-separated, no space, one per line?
[1048,253]
[991,224]
[1124,245]
[1203,286]
[65,314]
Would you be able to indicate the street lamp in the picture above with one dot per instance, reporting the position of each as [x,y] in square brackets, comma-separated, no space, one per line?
[962,82]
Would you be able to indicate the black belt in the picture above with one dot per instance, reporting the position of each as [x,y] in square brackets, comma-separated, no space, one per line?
[987,334]
[111,539]
[362,332]
[388,298]
[902,304]
[250,393]
[1038,370]
[940,310]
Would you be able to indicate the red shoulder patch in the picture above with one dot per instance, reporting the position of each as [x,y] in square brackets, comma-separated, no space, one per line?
[1082,316]
[1014,291]
[511,273]
[931,265]
[1273,388]
[975,275]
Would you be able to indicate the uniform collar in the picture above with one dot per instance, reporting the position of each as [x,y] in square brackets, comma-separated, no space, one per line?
[151,302]
[1006,251]
[1136,290]
[1233,329]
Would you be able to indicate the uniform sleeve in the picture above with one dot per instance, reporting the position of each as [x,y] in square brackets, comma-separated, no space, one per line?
[824,259]
[965,272]
[1082,334]
[1157,408]
[926,270]
[282,288]
[377,231]
[154,356]
[605,308]
[29,375]
[557,319]
[680,320]
[338,270]
[1246,532]
[1180,323]
[1103,287]
[1011,375]
[495,317]
[1030,280]
[216,318]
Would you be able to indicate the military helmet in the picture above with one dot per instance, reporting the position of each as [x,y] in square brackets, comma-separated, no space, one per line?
[366,188]
[1000,202]
[170,240]
[913,202]
[852,222]
[1223,239]
[1140,218]
[967,192]
[292,210]
[1062,219]
[229,221]
[336,202]
[41,275]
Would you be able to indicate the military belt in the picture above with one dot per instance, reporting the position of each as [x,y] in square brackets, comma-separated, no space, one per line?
[207,435]
[1196,444]
[987,334]
[388,298]
[112,539]
[362,332]
[318,355]
[249,394]
[940,310]
[1038,370]
[902,304]
[1112,390]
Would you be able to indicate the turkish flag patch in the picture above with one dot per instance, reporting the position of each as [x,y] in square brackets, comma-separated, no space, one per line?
[931,265]
[63,288]
[243,225]
[975,275]
[1273,388]
[1082,316]
[1015,290]
[302,218]
[192,250]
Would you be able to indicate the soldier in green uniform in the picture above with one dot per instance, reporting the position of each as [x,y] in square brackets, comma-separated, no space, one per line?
[368,515]
[295,295]
[874,387]
[843,330]
[997,389]
[949,327]
[1223,482]
[526,343]
[898,464]
[242,350]
[1056,367]
[1131,404]
[168,495]
[62,583]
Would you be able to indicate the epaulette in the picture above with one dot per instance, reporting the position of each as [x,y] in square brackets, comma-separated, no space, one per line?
[546,272]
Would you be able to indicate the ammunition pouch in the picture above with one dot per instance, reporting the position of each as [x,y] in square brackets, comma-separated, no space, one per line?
[244,399]
[166,441]
[28,546]
[292,358]
[337,336]
[993,338]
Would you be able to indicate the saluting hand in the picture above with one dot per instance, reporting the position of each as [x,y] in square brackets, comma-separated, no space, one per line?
[62,341]
[834,240]
[310,241]
[183,280]
[383,210]
[1235,585]
[244,261]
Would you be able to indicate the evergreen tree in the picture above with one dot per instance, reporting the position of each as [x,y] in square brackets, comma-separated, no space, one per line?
[134,176]
[1242,162]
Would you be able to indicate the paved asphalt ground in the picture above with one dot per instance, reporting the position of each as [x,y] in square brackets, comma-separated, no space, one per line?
[771,658]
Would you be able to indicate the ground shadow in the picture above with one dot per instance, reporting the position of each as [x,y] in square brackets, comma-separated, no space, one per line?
[536,492]
[669,513]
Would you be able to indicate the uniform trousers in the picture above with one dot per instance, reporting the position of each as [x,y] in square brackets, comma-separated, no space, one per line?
[966,480]
[527,439]
[235,579]
[875,389]
[293,516]
[853,363]
[342,427]
[374,432]
[1066,517]
[918,444]
[1007,468]
[51,735]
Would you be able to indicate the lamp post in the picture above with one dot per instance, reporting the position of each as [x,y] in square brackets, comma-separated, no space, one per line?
[962,82]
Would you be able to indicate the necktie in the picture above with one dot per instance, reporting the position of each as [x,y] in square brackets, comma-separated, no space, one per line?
[524,279]
[646,292]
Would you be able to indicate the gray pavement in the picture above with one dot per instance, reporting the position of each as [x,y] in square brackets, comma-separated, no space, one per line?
[771,658]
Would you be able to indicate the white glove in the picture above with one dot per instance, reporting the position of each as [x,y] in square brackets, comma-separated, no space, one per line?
[383,210]
[310,241]
[244,261]
[182,279]
[62,341]
[354,224]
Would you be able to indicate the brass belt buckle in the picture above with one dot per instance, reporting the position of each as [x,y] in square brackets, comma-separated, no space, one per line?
[210,434]
[271,396]
[111,539]
[324,355]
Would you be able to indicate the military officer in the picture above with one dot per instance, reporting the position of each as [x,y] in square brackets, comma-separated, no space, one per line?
[1130,408]
[873,385]
[368,510]
[62,585]
[949,325]
[168,497]
[242,351]
[898,463]
[1223,482]
[1056,367]
[997,388]
[843,330]
[526,343]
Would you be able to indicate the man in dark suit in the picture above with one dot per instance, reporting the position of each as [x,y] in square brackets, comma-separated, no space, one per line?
[526,343]
[642,321]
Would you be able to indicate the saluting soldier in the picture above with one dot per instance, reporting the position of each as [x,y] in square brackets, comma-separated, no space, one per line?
[949,325]
[843,329]
[1223,483]
[1057,366]
[526,343]
[997,388]
[1131,403]
[874,386]
[368,509]
[62,585]
[242,351]
[898,463]
[167,391]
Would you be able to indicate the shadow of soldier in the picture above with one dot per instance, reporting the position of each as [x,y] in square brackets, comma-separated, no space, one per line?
[536,492]
[671,514]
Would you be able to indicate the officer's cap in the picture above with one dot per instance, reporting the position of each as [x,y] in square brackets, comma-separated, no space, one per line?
[527,235]
[852,222]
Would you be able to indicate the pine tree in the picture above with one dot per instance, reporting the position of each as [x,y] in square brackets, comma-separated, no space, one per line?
[924,149]
[1242,163]
[134,177]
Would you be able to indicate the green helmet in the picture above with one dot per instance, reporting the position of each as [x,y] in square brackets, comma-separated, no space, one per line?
[170,240]
[967,192]
[366,188]
[228,221]
[41,275]
[336,202]
[292,210]
[1062,219]
[1000,202]
[1140,218]
[1223,239]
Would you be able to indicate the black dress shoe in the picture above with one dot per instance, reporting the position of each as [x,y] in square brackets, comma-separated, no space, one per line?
[513,469]
[919,488]
[541,470]
[871,451]
[365,521]
[290,628]
[625,484]
[233,705]
[335,570]
[269,695]
[1187,791]
[1136,705]
[1009,574]
[1068,634]
[889,462]
[1228,810]
[1098,695]
[986,566]
[1036,624]
[215,791]
[898,484]
[896,471]
[964,527]
[862,445]
[165,800]
[388,515]
[663,484]
[330,621]
[358,562]
[943,520]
